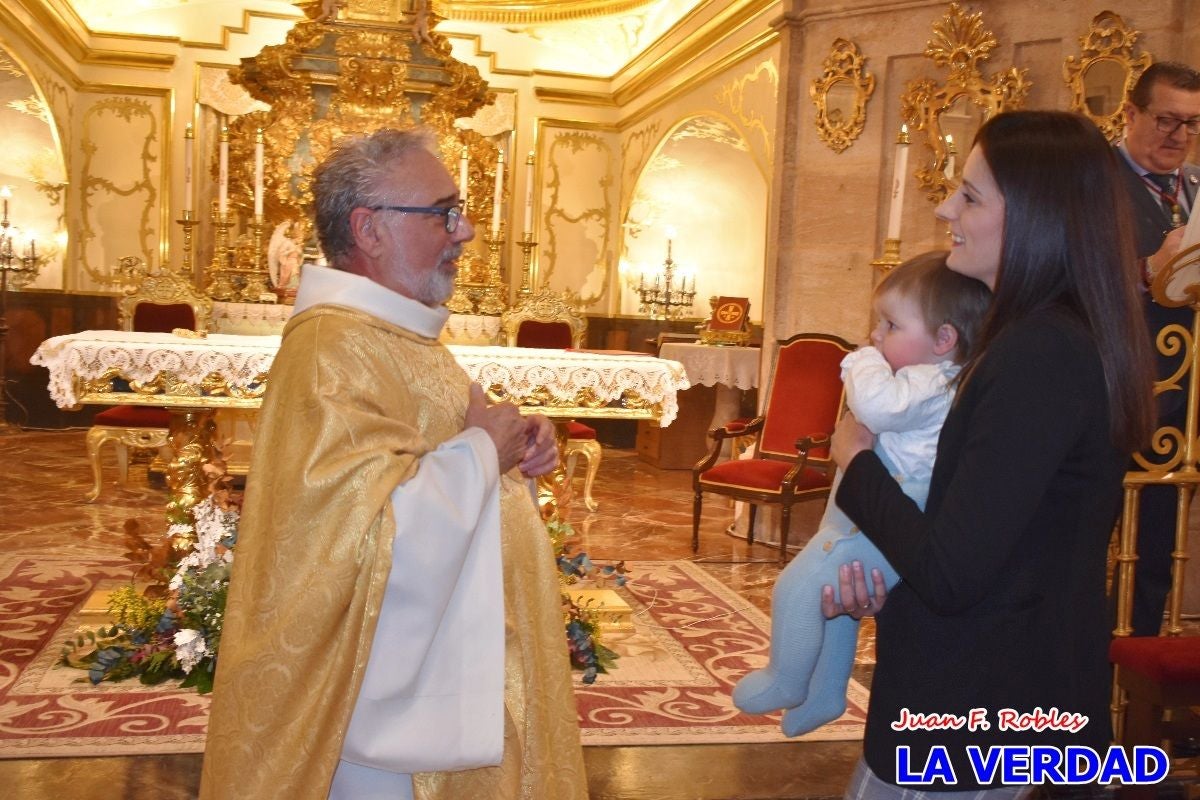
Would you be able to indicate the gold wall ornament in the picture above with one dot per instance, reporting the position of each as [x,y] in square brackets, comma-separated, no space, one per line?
[1104,73]
[967,99]
[841,95]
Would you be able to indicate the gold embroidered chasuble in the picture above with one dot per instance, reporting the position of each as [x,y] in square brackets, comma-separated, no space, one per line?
[342,425]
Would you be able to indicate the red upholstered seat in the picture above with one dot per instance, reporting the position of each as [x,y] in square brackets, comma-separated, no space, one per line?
[133,417]
[1159,678]
[763,475]
[804,402]
[1163,659]
[577,430]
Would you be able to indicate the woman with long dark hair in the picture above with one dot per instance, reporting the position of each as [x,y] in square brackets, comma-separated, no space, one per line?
[1001,608]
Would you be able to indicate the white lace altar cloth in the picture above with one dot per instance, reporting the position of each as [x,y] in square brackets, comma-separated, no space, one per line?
[471,329]
[250,319]
[710,365]
[568,374]
[242,361]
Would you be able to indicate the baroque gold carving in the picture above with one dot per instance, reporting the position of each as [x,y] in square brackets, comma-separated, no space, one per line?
[353,67]
[841,95]
[959,44]
[96,187]
[1104,73]
[733,97]
[564,147]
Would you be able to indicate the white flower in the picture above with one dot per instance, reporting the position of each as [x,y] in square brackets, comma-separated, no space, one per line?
[190,648]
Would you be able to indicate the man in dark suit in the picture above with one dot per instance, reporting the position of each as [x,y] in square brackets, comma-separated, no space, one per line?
[1162,119]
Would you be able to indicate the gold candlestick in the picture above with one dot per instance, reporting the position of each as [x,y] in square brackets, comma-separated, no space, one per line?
[220,284]
[495,295]
[887,262]
[527,244]
[188,222]
[256,284]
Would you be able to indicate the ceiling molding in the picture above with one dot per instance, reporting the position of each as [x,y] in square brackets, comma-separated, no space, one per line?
[531,12]
[550,94]
[648,71]
[751,48]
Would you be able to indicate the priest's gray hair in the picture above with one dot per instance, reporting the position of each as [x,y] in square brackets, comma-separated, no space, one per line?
[351,177]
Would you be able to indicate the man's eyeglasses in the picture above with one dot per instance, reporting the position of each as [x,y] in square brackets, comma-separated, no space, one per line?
[453,214]
[1169,125]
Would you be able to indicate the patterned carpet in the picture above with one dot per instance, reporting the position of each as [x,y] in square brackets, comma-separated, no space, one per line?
[692,639]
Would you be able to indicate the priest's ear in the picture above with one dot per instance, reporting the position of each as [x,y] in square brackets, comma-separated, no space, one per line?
[365,231]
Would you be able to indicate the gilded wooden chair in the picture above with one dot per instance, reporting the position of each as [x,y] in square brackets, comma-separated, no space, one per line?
[803,405]
[545,319]
[154,300]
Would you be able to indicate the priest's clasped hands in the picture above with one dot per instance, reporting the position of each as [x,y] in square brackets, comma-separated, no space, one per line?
[521,441]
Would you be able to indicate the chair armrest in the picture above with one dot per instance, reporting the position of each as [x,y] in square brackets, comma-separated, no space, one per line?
[806,443]
[729,430]
[736,428]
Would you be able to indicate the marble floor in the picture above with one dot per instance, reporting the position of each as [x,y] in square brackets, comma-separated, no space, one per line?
[644,514]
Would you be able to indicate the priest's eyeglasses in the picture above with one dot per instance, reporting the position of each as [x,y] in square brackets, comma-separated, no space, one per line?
[1169,125]
[453,214]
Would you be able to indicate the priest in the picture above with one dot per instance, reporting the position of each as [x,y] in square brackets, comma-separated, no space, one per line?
[394,627]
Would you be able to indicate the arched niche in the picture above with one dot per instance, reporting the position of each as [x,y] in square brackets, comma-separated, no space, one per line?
[702,184]
[32,166]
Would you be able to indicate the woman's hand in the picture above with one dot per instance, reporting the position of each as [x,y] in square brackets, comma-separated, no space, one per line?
[852,589]
[850,438]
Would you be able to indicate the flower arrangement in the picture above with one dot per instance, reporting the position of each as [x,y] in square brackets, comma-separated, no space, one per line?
[587,652]
[159,634]
[155,636]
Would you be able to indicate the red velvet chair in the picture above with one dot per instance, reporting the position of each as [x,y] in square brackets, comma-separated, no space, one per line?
[804,401]
[547,320]
[155,301]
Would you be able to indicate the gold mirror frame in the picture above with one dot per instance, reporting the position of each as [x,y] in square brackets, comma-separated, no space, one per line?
[960,43]
[843,65]
[1108,40]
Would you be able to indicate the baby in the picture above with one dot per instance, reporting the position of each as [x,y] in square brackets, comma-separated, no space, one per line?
[901,388]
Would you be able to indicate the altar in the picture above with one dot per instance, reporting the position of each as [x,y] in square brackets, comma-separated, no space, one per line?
[191,376]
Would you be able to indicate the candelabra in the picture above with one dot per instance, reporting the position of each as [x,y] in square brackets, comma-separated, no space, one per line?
[23,267]
[663,300]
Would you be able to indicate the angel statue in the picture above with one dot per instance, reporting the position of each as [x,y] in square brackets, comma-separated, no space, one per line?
[284,255]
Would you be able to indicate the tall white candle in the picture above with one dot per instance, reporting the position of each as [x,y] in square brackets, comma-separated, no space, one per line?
[189,139]
[498,195]
[528,196]
[949,157]
[899,171]
[258,173]
[464,176]
[223,173]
